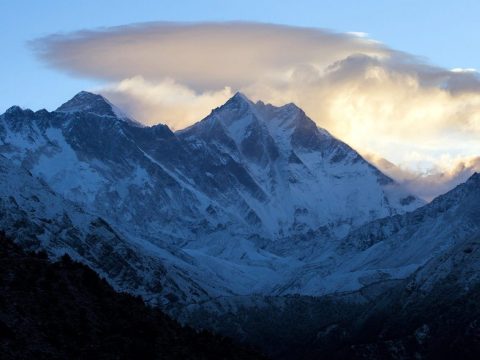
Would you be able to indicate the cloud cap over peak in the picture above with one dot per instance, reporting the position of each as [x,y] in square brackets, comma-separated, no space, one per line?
[377,99]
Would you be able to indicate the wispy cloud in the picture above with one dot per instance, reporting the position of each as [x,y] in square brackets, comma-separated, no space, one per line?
[435,181]
[379,100]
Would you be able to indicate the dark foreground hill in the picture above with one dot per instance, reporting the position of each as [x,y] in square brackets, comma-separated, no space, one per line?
[63,310]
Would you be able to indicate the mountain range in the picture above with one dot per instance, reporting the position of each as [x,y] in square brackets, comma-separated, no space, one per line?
[253,207]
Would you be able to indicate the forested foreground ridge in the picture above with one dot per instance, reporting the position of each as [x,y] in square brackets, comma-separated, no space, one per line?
[64,310]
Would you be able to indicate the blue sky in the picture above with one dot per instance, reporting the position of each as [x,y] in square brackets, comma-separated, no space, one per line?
[445,32]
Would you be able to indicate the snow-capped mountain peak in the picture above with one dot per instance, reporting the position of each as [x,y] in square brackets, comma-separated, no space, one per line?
[240,119]
[236,109]
[283,153]
[92,103]
[240,97]
[89,102]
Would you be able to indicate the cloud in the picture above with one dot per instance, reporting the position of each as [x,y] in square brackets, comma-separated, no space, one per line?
[358,33]
[464,70]
[424,118]
[164,102]
[429,184]
[199,55]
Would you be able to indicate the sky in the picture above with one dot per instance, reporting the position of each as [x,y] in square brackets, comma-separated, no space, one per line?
[377,74]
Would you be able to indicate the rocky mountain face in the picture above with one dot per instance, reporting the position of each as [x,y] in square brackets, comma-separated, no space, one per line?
[252,210]
[292,176]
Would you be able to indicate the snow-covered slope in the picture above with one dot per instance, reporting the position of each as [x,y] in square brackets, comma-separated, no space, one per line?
[38,218]
[236,204]
[396,247]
